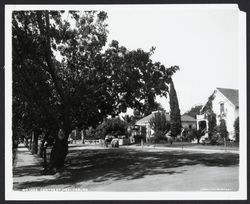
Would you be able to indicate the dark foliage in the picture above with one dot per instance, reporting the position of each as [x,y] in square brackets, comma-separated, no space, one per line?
[175,116]
[194,111]
[197,134]
[237,129]
[159,122]
[160,125]
[209,105]
[211,124]
[211,116]
[63,79]
[223,129]
[216,138]
[112,126]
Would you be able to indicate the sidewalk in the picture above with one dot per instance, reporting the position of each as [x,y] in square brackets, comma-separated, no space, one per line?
[27,168]
[24,157]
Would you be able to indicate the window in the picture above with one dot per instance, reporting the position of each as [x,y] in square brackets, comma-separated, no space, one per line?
[222,110]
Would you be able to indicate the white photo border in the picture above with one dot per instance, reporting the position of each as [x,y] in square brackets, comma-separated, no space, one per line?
[10,194]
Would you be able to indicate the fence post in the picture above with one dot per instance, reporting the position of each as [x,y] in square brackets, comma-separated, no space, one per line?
[225,144]
[142,143]
[45,157]
[30,143]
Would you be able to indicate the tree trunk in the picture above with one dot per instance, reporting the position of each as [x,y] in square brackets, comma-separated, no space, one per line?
[83,135]
[26,141]
[34,143]
[59,150]
[30,142]
[58,154]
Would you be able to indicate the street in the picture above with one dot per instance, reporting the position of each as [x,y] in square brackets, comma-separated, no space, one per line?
[131,169]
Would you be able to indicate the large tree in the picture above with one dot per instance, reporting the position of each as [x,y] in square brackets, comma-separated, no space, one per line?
[62,72]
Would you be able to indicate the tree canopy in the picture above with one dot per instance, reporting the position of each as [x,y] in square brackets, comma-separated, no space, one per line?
[86,83]
[64,75]
[194,111]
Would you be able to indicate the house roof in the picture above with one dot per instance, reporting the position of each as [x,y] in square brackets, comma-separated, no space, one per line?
[231,94]
[187,118]
[145,120]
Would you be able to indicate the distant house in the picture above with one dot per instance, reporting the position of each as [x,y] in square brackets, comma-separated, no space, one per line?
[186,120]
[226,106]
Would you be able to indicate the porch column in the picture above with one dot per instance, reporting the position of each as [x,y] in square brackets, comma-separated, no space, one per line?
[198,127]
[206,125]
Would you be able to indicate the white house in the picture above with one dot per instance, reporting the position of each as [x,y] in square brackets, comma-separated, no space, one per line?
[225,105]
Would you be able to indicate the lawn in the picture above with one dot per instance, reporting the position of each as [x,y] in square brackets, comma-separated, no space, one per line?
[125,169]
[230,146]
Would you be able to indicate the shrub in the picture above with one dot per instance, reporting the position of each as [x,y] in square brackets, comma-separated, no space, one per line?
[90,133]
[211,123]
[138,138]
[236,129]
[160,125]
[198,134]
[153,139]
[159,137]
[216,139]
[223,129]
[159,122]
[188,134]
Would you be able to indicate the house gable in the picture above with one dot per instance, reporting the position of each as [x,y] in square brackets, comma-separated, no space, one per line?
[232,95]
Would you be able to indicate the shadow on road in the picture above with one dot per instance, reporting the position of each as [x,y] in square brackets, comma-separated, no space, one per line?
[122,164]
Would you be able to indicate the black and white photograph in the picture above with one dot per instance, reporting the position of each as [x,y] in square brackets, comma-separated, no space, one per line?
[125,102]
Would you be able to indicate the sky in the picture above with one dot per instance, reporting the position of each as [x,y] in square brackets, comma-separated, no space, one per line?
[203,43]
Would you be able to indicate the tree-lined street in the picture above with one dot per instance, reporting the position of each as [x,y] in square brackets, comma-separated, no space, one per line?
[65,79]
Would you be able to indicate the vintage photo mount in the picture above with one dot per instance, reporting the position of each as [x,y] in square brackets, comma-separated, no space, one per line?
[122,196]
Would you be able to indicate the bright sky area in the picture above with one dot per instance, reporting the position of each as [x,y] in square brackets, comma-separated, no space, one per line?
[203,43]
